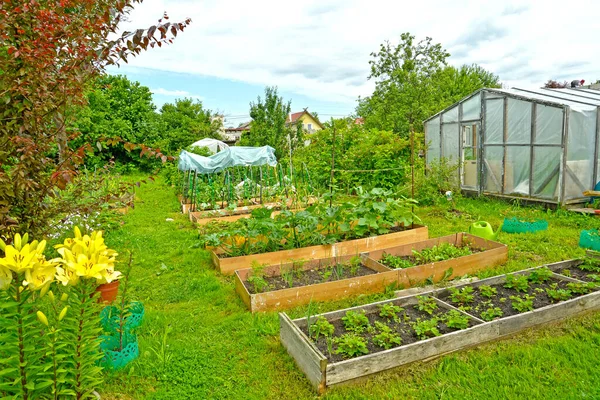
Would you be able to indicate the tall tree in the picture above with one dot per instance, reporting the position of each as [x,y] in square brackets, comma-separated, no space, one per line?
[269,126]
[413,81]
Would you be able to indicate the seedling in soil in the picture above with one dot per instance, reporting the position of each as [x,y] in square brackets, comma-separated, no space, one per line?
[491,314]
[502,300]
[351,345]
[381,327]
[441,252]
[256,279]
[390,311]
[540,275]
[595,278]
[581,288]
[356,322]
[590,266]
[566,272]
[522,304]
[519,283]
[338,270]
[456,320]
[288,276]
[426,329]
[355,263]
[426,304]
[329,341]
[396,261]
[387,340]
[487,291]
[327,274]
[462,296]
[557,294]
[321,327]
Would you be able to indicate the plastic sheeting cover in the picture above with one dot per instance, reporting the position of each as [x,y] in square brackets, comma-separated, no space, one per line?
[450,141]
[519,121]
[432,137]
[517,164]
[471,109]
[492,172]
[230,157]
[580,153]
[494,117]
[451,115]
[546,167]
[549,122]
[213,145]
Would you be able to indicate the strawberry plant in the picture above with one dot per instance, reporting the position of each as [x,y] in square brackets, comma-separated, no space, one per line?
[487,291]
[426,329]
[491,313]
[257,278]
[462,296]
[321,327]
[522,304]
[396,262]
[557,294]
[426,304]
[581,288]
[351,345]
[540,275]
[520,283]
[390,311]
[457,320]
[441,252]
[356,321]
[387,340]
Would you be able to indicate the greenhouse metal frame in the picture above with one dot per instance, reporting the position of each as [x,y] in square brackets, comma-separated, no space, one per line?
[535,144]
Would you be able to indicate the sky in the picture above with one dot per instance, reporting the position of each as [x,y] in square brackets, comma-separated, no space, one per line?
[317,52]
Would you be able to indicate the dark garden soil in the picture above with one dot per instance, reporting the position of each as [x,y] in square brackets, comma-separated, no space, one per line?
[578,273]
[412,260]
[502,298]
[401,327]
[311,277]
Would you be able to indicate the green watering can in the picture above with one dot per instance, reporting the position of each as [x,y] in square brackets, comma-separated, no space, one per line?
[484,230]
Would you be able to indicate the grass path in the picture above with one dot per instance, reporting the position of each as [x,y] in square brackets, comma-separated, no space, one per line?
[199,342]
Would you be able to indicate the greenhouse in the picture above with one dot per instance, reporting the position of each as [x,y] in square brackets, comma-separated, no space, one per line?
[536,144]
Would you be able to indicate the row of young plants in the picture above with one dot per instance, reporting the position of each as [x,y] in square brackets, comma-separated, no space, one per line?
[375,212]
[49,324]
[441,252]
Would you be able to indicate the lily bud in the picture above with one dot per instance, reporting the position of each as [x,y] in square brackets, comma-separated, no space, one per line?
[62,313]
[42,317]
[51,296]
[64,297]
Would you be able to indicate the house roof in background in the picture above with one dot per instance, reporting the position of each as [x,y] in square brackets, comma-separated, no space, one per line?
[294,117]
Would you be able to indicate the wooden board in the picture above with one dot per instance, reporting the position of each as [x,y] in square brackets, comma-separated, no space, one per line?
[326,291]
[585,210]
[593,193]
[357,368]
[228,265]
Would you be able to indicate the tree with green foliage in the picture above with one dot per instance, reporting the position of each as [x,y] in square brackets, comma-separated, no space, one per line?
[269,126]
[185,122]
[413,82]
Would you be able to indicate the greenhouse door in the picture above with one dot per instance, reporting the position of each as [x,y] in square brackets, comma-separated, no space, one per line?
[469,155]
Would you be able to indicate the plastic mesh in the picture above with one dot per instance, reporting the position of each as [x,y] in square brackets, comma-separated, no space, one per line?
[110,317]
[114,358]
[590,240]
[514,225]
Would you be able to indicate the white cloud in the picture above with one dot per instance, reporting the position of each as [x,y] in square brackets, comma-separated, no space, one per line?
[175,93]
[322,48]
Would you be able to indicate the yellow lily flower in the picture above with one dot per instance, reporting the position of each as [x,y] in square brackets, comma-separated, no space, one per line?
[40,277]
[87,268]
[19,260]
[5,278]
[66,276]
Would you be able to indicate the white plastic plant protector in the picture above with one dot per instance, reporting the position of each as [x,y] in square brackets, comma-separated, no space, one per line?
[494,120]
[230,157]
[581,145]
[432,139]
[213,145]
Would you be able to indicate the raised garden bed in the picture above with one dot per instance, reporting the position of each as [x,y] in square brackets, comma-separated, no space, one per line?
[329,358]
[578,269]
[279,287]
[458,255]
[227,265]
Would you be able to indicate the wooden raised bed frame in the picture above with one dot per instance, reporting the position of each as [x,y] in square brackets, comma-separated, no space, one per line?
[323,374]
[296,296]
[491,254]
[228,265]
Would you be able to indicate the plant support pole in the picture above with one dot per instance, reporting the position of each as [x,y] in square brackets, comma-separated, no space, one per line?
[332,165]
[412,171]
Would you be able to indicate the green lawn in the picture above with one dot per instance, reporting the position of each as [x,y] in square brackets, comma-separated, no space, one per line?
[199,342]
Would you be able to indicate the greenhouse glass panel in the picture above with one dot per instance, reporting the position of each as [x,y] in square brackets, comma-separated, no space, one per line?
[494,117]
[549,123]
[518,163]
[580,153]
[450,141]
[471,109]
[519,121]
[492,170]
[432,136]
[546,168]
[451,115]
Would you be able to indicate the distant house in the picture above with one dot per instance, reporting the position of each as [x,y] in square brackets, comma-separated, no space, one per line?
[309,122]
[233,135]
[359,121]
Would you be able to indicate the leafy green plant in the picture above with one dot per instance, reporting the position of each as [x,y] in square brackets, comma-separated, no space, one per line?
[557,294]
[288,275]
[520,283]
[441,252]
[321,327]
[540,275]
[351,345]
[390,311]
[396,262]
[426,329]
[355,264]
[522,304]
[257,277]
[387,340]
[491,313]
[326,274]
[426,304]
[457,320]
[462,296]
[355,321]
[338,270]
[581,288]
[487,291]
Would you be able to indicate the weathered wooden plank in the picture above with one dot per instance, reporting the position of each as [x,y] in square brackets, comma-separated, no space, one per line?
[352,247]
[308,358]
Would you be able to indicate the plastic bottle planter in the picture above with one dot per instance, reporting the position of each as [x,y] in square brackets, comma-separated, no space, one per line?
[514,225]
[590,240]
[115,357]
[110,317]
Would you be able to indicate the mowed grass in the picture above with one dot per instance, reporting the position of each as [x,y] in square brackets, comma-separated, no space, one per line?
[198,340]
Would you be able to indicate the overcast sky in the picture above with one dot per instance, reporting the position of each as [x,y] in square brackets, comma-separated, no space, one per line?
[317,52]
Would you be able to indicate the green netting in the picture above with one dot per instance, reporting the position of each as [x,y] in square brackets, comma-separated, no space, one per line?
[110,317]
[514,225]
[590,239]
[114,358]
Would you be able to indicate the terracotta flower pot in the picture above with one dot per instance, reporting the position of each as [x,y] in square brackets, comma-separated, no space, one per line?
[108,291]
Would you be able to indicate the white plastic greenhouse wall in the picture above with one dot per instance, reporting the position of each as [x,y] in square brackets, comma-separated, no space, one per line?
[538,144]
